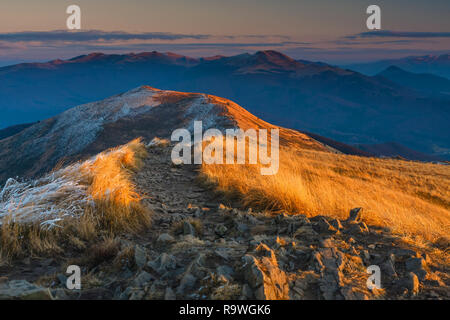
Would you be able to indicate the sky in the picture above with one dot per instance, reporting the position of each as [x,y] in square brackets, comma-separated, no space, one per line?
[328,30]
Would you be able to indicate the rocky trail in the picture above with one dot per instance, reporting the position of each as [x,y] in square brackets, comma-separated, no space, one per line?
[199,248]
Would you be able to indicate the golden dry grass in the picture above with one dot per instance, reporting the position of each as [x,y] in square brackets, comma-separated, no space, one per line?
[411,198]
[116,207]
[117,204]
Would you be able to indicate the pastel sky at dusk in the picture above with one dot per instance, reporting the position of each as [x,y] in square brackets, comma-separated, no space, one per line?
[328,30]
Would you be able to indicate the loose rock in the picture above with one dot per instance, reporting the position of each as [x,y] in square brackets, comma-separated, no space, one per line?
[23,290]
[140,256]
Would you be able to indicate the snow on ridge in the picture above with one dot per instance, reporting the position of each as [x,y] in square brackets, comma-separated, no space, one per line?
[79,126]
[76,128]
[203,110]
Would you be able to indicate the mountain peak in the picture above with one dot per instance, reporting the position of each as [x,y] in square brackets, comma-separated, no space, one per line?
[394,68]
[268,61]
[89,57]
[274,57]
[86,129]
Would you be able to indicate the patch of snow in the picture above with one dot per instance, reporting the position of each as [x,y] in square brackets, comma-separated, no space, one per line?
[79,126]
[202,110]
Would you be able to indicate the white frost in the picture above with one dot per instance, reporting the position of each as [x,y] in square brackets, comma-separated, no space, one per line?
[79,126]
[46,200]
[203,110]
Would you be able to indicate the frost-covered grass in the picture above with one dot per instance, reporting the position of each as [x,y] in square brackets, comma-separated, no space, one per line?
[76,201]
[47,200]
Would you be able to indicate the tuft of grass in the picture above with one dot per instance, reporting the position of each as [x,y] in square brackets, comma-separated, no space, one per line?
[105,250]
[227,292]
[178,226]
[125,258]
[409,197]
[117,204]
[17,239]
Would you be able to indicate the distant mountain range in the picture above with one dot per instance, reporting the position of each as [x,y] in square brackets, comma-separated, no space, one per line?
[424,82]
[336,103]
[393,149]
[438,65]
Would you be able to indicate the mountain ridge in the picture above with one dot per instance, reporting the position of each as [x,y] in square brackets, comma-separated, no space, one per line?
[145,112]
[435,64]
[425,82]
[340,104]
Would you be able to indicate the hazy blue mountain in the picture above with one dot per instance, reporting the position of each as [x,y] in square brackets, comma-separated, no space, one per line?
[393,149]
[336,103]
[438,65]
[425,82]
[12,130]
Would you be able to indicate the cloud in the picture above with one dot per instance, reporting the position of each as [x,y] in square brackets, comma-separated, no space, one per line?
[67,36]
[97,40]
[356,42]
[4,45]
[93,35]
[399,34]
[220,47]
